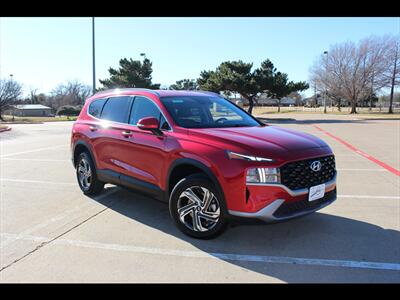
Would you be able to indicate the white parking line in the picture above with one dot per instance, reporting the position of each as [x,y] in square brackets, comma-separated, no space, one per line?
[34,150]
[216,255]
[57,218]
[37,159]
[364,170]
[369,196]
[36,181]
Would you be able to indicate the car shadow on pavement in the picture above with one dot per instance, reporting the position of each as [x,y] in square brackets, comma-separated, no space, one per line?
[316,236]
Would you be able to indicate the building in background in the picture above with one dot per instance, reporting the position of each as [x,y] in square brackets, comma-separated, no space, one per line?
[30,110]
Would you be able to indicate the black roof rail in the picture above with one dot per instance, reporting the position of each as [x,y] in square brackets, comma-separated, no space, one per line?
[126,89]
[209,92]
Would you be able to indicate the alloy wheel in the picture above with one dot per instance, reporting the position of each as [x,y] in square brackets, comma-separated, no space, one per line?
[84,174]
[198,209]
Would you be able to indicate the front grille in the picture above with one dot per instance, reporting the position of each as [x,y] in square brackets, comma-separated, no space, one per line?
[289,208]
[298,175]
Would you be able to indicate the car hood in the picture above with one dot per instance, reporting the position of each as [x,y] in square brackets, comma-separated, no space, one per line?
[268,140]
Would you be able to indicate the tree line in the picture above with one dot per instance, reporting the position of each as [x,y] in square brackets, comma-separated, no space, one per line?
[349,71]
[229,77]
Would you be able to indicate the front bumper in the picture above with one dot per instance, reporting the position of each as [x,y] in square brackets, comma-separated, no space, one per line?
[281,209]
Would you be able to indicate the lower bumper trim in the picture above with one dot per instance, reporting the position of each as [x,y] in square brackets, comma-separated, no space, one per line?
[267,214]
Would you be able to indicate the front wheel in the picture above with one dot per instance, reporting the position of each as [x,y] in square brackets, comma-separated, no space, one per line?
[86,175]
[197,207]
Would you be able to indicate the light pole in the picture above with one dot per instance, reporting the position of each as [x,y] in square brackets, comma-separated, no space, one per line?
[93,58]
[13,107]
[143,54]
[326,92]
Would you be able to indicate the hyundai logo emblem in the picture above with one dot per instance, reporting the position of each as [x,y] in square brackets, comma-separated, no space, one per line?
[316,166]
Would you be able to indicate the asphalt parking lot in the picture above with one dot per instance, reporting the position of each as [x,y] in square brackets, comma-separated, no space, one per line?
[51,232]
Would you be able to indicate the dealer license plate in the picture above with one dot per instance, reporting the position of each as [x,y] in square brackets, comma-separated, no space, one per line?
[316,192]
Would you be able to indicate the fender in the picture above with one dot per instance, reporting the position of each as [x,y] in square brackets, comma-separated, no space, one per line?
[195,163]
[87,145]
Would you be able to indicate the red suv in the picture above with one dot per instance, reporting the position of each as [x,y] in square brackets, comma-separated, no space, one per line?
[205,156]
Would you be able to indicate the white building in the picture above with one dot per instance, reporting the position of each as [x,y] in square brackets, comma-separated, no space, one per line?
[30,110]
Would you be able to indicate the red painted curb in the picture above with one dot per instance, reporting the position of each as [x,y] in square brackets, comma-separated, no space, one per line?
[358,151]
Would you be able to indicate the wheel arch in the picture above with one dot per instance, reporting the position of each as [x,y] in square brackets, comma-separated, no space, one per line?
[186,166]
[79,147]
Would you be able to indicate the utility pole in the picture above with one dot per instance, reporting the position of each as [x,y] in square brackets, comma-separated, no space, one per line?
[315,93]
[372,93]
[326,92]
[13,108]
[93,58]
[393,81]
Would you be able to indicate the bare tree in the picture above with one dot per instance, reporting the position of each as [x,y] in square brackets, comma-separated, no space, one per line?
[391,78]
[10,91]
[353,72]
[72,93]
[297,97]
[33,99]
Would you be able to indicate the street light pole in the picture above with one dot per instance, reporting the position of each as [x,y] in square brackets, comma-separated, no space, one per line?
[13,107]
[93,58]
[326,92]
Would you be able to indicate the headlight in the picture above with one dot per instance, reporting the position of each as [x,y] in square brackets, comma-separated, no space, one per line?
[233,155]
[263,175]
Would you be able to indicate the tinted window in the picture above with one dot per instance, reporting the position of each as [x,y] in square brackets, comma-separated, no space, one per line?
[142,108]
[96,106]
[206,112]
[163,123]
[116,109]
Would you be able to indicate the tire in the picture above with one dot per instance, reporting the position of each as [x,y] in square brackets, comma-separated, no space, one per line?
[92,186]
[211,214]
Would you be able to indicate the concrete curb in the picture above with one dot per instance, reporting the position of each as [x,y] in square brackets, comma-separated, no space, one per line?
[16,123]
[5,129]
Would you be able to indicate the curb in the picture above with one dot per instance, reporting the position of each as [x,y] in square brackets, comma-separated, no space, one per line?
[5,129]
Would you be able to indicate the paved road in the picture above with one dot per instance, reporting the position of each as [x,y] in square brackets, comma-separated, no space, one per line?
[51,232]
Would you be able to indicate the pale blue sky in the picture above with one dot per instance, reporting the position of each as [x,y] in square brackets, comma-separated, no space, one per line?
[43,52]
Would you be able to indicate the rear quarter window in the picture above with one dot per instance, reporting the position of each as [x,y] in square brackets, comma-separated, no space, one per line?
[96,107]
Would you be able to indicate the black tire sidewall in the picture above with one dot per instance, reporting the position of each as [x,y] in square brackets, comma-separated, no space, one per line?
[197,180]
[96,185]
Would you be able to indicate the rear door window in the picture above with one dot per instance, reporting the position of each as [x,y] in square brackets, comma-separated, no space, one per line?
[116,109]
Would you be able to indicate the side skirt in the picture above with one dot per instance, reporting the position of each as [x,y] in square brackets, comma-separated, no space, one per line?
[130,182]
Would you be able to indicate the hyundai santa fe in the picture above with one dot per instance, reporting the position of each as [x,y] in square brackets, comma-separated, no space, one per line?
[206,157]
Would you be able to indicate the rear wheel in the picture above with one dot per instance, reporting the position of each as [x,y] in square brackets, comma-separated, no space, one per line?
[86,175]
[197,207]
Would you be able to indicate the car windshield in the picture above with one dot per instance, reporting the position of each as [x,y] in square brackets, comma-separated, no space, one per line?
[206,112]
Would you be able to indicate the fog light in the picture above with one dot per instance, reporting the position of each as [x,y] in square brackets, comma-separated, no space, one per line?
[263,175]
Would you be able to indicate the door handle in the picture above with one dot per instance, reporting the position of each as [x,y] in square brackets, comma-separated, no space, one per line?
[126,133]
[92,128]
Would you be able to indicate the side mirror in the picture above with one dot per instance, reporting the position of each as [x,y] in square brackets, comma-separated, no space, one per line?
[150,124]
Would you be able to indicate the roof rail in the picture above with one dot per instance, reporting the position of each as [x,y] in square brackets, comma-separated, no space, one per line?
[209,92]
[127,89]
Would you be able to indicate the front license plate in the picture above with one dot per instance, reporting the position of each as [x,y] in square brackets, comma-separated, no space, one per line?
[316,192]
